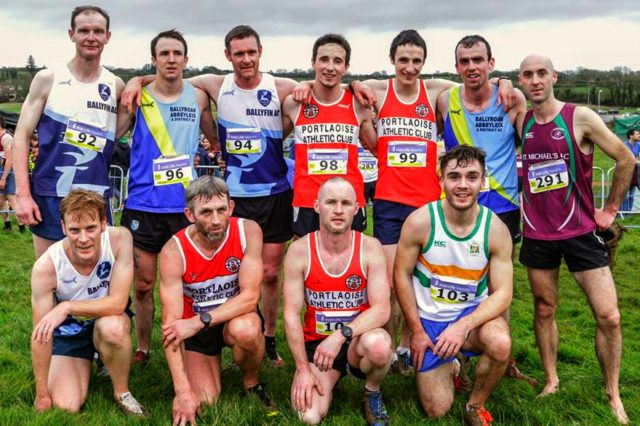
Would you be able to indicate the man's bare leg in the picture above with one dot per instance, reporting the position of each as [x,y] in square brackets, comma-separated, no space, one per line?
[272,255]
[112,339]
[320,403]
[601,292]
[145,278]
[203,373]
[40,245]
[68,382]
[493,340]
[244,335]
[544,286]
[435,390]
[371,353]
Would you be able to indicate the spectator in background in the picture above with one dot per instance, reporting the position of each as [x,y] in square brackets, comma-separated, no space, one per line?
[204,157]
[33,152]
[633,143]
[7,180]
[121,157]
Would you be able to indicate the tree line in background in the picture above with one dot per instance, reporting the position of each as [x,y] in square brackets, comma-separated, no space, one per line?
[619,87]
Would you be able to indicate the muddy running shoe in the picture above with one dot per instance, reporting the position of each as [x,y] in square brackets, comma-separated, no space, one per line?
[375,413]
[461,380]
[477,416]
[130,406]
[258,391]
[402,365]
[272,354]
[513,372]
[141,358]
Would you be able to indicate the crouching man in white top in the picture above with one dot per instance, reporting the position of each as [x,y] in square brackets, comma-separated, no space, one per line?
[79,297]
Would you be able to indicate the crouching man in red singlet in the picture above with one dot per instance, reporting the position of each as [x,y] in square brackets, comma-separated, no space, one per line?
[339,276]
[210,274]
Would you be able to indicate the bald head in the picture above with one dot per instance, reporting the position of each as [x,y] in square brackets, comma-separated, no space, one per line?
[538,61]
[336,183]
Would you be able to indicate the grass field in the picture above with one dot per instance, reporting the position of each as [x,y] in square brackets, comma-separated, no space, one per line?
[581,400]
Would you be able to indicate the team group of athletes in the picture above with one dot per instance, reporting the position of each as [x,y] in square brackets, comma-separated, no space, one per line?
[442,256]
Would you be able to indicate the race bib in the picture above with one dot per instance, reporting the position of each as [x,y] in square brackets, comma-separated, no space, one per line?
[366,161]
[327,161]
[329,321]
[448,292]
[407,154]
[85,136]
[172,169]
[201,307]
[244,141]
[548,176]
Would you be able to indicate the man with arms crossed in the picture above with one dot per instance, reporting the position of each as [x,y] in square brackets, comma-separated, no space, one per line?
[407,150]
[88,274]
[560,219]
[74,109]
[210,274]
[163,147]
[472,115]
[339,276]
[327,131]
[453,277]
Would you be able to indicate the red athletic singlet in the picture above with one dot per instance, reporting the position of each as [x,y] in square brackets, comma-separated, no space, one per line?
[407,150]
[326,146]
[333,300]
[209,281]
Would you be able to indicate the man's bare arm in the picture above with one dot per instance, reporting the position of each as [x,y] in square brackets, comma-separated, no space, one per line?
[171,302]
[294,266]
[43,284]
[368,134]
[590,129]
[290,110]
[32,109]
[207,124]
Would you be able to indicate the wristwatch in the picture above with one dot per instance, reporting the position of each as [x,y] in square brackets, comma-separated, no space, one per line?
[347,332]
[205,318]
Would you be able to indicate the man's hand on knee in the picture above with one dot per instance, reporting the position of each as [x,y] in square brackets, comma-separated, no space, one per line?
[177,331]
[302,390]
[451,340]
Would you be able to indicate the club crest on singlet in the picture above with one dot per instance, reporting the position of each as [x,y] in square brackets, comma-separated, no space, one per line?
[422,110]
[232,264]
[104,91]
[353,282]
[264,97]
[104,269]
[557,134]
[311,111]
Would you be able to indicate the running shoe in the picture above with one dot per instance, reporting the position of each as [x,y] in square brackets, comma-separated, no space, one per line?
[461,380]
[269,405]
[130,406]
[477,416]
[272,354]
[402,365]
[375,413]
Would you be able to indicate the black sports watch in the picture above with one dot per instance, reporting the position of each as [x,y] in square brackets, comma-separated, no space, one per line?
[205,318]
[347,332]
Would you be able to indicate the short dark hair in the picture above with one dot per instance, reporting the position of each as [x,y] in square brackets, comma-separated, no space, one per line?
[240,32]
[470,40]
[81,9]
[629,132]
[174,34]
[463,155]
[3,123]
[407,37]
[204,189]
[332,38]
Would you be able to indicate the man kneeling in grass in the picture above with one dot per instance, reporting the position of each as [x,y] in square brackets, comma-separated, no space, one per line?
[79,293]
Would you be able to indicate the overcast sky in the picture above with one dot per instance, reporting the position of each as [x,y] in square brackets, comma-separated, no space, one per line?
[589,33]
